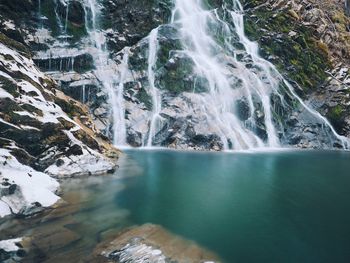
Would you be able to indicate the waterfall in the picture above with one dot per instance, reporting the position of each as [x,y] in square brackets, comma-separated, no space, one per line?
[83,95]
[106,70]
[154,92]
[120,130]
[257,84]
[39,8]
[211,62]
[67,15]
[58,18]
[233,72]
[270,69]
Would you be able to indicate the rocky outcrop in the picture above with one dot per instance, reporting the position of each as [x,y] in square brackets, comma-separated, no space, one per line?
[151,243]
[42,132]
[128,21]
[309,41]
[57,31]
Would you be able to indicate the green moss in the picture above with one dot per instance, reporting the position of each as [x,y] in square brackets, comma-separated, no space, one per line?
[165,49]
[299,57]
[31,108]
[48,10]
[212,3]
[77,32]
[145,98]
[335,113]
[336,116]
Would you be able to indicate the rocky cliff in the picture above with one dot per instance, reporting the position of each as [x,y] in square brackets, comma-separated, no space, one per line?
[148,89]
[138,70]
[310,42]
[42,131]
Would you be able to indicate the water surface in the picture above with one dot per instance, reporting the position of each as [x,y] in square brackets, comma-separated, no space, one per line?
[248,207]
[286,206]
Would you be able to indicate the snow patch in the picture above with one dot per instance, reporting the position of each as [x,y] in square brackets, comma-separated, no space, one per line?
[4,209]
[5,94]
[10,244]
[31,187]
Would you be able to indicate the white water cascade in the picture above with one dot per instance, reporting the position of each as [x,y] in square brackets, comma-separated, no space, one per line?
[154,92]
[232,70]
[230,80]
[211,62]
[119,107]
[107,69]
[253,50]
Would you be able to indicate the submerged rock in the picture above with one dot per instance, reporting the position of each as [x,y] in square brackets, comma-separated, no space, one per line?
[151,243]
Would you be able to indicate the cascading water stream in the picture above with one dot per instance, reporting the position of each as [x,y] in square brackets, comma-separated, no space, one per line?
[120,127]
[154,92]
[67,14]
[58,18]
[269,68]
[208,56]
[106,70]
[216,59]
[257,83]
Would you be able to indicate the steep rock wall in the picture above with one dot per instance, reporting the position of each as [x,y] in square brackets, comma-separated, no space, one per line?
[310,42]
[42,132]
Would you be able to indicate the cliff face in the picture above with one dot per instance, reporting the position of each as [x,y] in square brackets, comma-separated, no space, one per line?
[310,42]
[100,54]
[42,131]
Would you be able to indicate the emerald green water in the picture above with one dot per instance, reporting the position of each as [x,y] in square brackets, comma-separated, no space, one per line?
[253,207]
[277,207]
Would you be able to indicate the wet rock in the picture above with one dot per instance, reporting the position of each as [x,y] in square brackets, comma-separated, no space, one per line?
[132,20]
[100,111]
[150,243]
[59,162]
[134,138]
[322,27]
[243,110]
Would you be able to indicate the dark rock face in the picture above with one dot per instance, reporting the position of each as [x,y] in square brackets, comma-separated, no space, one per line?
[309,43]
[132,20]
[36,120]
[74,12]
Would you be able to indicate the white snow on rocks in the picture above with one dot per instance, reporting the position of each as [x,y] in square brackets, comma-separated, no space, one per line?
[91,162]
[10,244]
[4,209]
[139,253]
[23,188]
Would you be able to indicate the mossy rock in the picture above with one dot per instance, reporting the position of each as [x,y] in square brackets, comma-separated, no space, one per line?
[336,116]
[84,137]
[302,58]
[69,107]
